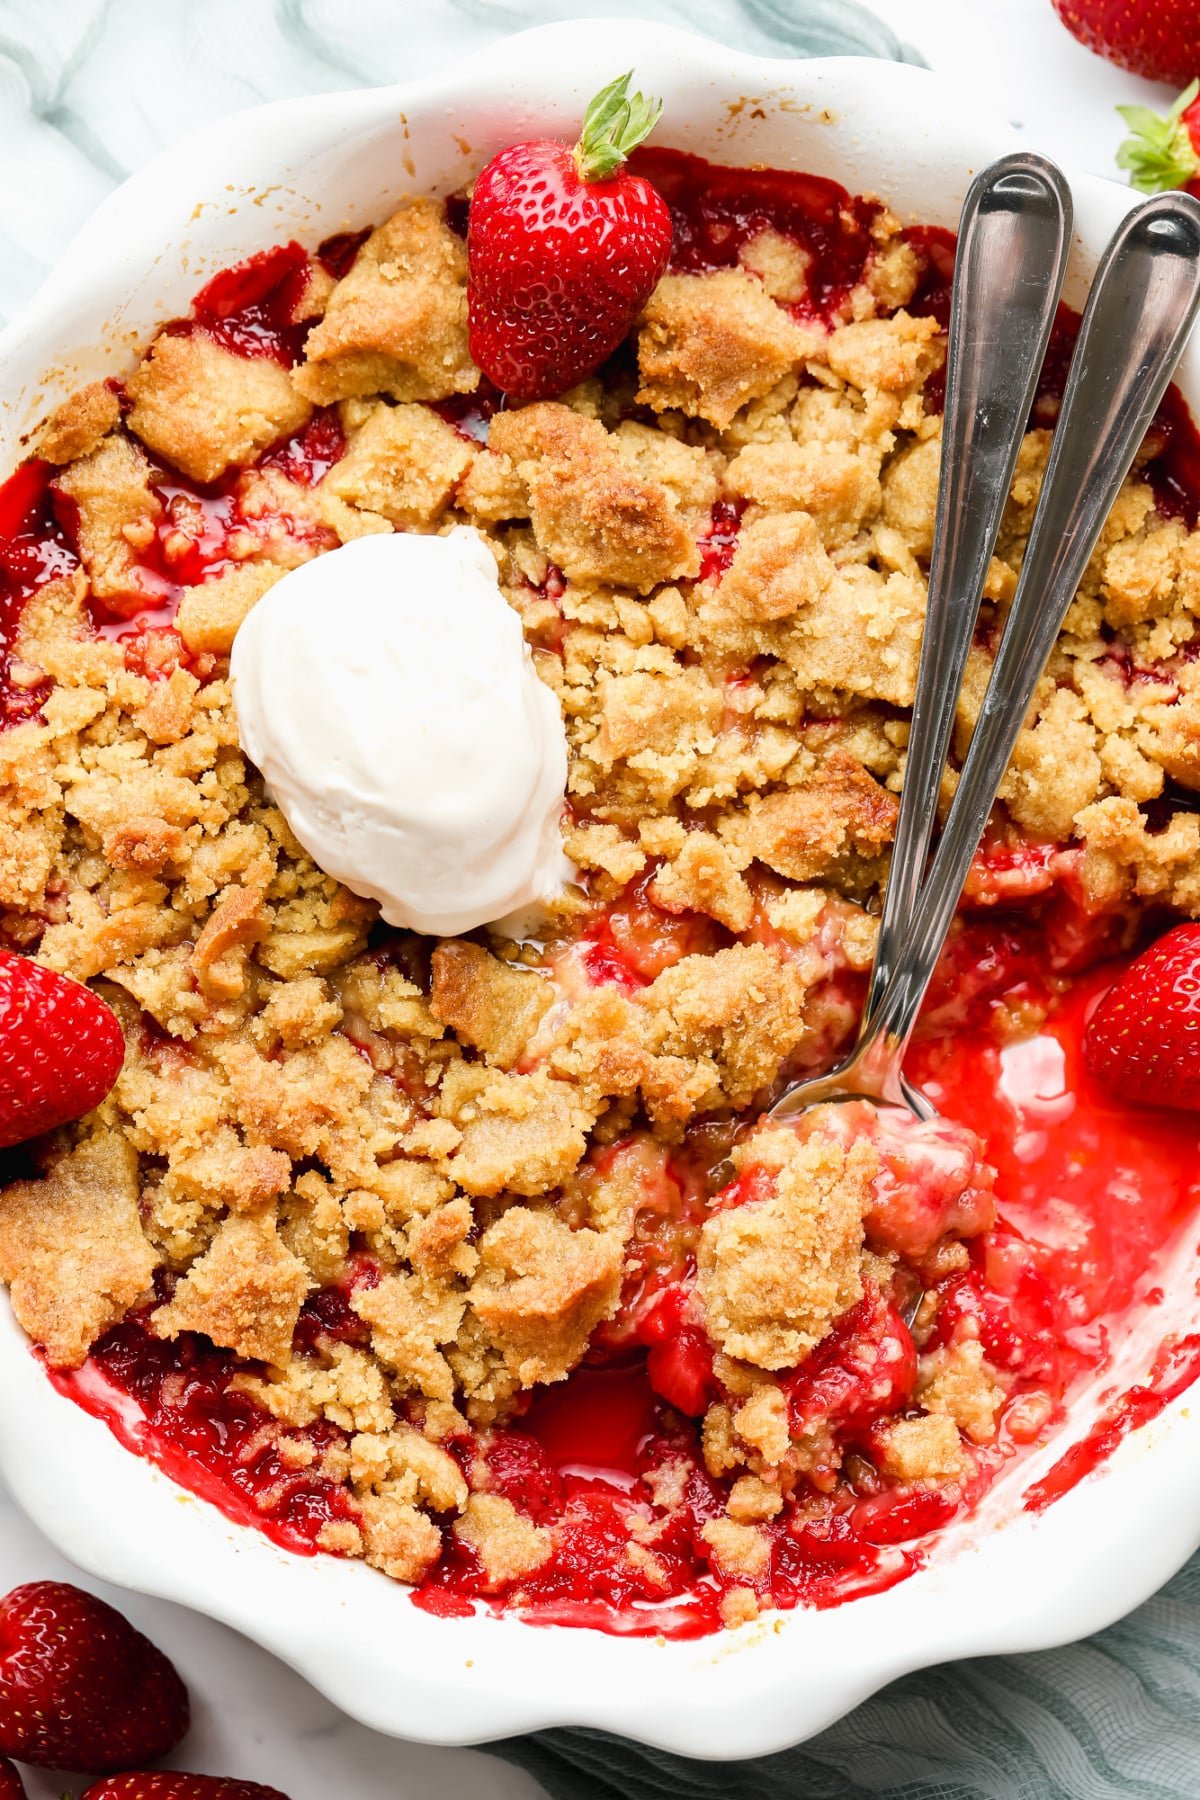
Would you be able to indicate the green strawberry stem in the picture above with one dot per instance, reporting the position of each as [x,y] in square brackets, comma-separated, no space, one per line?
[1160,154]
[614,125]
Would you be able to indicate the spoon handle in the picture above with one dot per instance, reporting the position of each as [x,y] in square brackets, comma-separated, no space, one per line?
[1142,306]
[1013,241]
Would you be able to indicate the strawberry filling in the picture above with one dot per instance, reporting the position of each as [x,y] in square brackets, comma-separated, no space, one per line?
[252,308]
[201,531]
[718,211]
[34,551]
[1069,1196]
[635,939]
[1043,1294]
[175,1403]
[1089,1195]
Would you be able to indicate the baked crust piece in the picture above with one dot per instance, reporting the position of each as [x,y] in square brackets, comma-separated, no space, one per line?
[397,322]
[774,1273]
[72,1249]
[206,409]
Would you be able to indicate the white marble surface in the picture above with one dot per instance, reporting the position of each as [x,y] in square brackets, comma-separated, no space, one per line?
[91,88]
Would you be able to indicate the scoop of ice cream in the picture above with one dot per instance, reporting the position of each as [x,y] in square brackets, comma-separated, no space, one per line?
[387,695]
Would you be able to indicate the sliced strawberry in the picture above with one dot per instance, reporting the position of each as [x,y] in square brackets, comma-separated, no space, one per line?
[864,1370]
[564,248]
[61,1049]
[1143,1040]
[681,1370]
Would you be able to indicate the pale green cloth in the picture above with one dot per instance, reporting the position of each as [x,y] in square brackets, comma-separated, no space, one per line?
[1114,1718]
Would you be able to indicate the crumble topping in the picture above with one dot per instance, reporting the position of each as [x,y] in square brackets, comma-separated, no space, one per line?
[397,323]
[72,1249]
[206,409]
[718,550]
[774,1273]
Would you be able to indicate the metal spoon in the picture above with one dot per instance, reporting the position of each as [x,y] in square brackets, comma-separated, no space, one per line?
[1013,242]
[1143,304]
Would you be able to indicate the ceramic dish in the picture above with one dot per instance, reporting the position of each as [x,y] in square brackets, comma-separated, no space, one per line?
[1004,1580]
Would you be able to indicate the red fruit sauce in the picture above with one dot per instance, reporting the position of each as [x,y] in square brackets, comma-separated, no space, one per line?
[717,211]
[252,308]
[1091,1197]
[1091,1194]
[172,1403]
[203,530]
[633,940]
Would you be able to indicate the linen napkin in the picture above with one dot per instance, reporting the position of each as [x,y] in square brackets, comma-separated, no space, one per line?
[1114,1718]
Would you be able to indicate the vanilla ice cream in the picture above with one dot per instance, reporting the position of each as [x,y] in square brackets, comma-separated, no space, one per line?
[387,695]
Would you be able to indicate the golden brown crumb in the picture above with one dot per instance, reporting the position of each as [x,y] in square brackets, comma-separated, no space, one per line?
[245,1293]
[887,355]
[207,410]
[779,568]
[818,831]
[489,1004]
[738,1606]
[762,1423]
[402,463]
[710,343]
[524,1132]
[775,1273]
[957,1381]
[542,1289]
[209,615]
[507,1544]
[80,423]
[72,1249]
[738,1549]
[397,323]
[118,513]
[737,1013]
[836,487]
[398,1537]
[926,1448]
[593,510]
[751,1499]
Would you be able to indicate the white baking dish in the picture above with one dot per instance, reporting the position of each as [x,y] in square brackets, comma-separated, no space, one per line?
[1004,1582]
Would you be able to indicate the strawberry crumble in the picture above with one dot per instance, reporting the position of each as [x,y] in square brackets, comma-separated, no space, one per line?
[476,1257]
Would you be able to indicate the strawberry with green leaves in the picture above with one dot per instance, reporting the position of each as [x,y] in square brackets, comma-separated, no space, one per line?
[1163,150]
[564,248]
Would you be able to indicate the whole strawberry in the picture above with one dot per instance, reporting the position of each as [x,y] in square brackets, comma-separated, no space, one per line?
[1156,38]
[1143,1040]
[564,248]
[61,1049]
[79,1687]
[11,1785]
[167,1786]
[1163,150]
